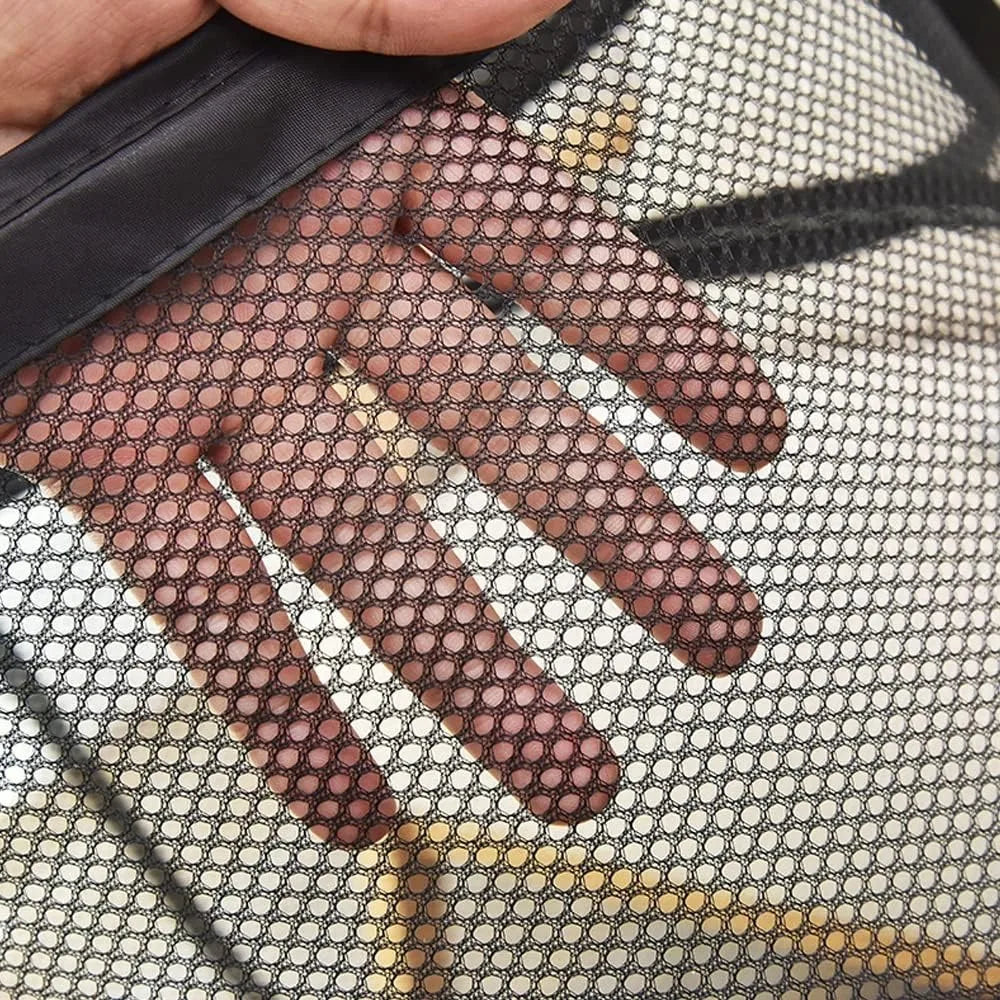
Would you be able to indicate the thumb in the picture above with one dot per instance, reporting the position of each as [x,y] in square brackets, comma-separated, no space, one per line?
[397,27]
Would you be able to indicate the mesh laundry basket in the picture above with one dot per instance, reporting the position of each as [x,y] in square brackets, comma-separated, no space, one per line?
[518,525]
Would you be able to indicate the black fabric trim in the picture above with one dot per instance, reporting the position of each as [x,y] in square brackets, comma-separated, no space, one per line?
[978,22]
[943,31]
[135,178]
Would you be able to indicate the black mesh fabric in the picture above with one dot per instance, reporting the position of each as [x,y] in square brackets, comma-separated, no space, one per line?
[549,552]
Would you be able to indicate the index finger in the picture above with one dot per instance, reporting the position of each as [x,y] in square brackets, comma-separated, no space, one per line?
[519,227]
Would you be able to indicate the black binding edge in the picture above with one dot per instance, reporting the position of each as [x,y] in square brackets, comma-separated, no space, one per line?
[978,22]
[155,164]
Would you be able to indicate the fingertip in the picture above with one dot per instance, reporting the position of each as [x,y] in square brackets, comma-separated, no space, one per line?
[578,787]
[759,435]
[721,644]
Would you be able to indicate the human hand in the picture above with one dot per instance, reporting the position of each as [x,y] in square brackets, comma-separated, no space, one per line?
[328,365]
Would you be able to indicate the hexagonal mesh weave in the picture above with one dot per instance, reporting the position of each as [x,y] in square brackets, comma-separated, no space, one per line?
[552,550]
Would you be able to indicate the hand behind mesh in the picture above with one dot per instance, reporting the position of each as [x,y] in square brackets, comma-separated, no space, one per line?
[329,361]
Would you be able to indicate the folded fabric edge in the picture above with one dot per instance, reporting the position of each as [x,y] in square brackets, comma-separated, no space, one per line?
[157,163]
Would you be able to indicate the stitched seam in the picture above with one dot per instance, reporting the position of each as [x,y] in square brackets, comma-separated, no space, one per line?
[186,99]
[13,363]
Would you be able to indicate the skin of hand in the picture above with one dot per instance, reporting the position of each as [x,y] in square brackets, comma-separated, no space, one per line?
[55,52]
